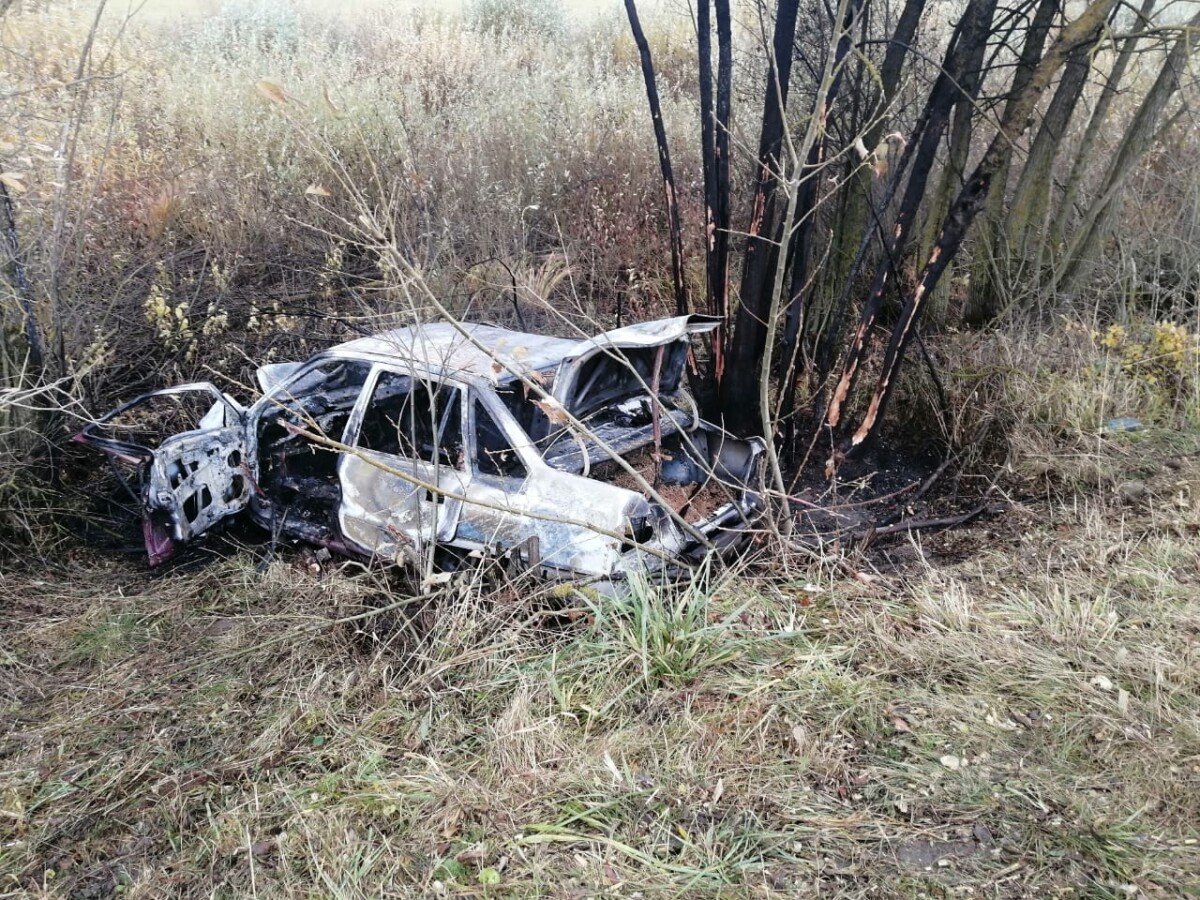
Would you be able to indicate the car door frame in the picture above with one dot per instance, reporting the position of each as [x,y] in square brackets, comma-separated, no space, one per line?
[394,506]
[496,517]
[192,480]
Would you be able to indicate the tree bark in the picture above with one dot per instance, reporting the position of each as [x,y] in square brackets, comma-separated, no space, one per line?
[972,29]
[857,218]
[802,225]
[664,158]
[739,388]
[970,201]
[1139,137]
[984,296]
[723,212]
[1096,125]
[954,170]
[708,148]
[714,141]
[33,335]
[1026,226]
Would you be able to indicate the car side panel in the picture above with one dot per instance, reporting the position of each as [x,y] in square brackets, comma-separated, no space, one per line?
[562,511]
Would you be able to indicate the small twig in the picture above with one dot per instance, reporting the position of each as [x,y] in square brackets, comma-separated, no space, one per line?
[869,536]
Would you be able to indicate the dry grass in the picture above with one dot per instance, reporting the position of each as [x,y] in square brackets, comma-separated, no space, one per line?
[171,199]
[1024,722]
[1009,710]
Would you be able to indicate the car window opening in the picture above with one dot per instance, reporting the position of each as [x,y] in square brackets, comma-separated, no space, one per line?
[615,375]
[494,453]
[414,419]
[298,474]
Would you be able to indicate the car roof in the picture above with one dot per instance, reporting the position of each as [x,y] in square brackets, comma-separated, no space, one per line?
[444,349]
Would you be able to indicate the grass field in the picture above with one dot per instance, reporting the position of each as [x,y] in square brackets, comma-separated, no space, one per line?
[1006,710]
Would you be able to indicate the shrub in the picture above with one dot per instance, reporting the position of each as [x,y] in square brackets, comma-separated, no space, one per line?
[543,18]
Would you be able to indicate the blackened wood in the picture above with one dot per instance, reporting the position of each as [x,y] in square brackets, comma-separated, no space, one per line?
[722,217]
[967,205]
[33,335]
[708,144]
[799,247]
[972,30]
[862,218]
[739,388]
[664,158]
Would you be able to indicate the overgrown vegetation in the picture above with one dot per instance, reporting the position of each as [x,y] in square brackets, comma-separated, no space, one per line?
[1009,708]
[1020,723]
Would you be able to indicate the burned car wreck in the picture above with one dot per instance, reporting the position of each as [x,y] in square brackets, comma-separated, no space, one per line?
[574,457]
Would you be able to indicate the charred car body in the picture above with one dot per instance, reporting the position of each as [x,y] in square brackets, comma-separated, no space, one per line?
[580,457]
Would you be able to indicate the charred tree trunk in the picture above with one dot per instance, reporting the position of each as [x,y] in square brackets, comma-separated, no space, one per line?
[951,178]
[714,141]
[664,158]
[984,297]
[955,168]
[708,148]
[33,335]
[972,29]
[803,223]
[739,388]
[859,214]
[967,205]
[721,149]
[799,248]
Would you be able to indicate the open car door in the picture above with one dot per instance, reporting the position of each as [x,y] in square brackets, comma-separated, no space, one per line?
[181,454]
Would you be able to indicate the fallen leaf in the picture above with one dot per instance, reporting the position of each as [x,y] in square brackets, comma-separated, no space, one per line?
[337,113]
[799,735]
[718,791]
[472,856]
[12,180]
[1020,718]
[553,410]
[612,768]
[272,91]
[450,821]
